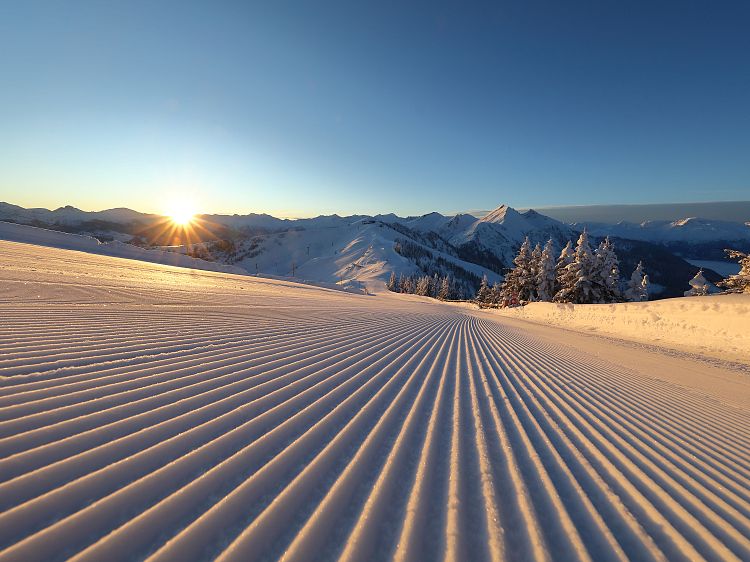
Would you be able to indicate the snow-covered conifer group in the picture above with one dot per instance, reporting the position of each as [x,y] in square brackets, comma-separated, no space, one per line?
[520,283]
[392,284]
[606,273]
[579,275]
[443,288]
[739,283]
[577,279]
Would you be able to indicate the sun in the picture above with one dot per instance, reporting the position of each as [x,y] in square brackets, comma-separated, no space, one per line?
[181,213]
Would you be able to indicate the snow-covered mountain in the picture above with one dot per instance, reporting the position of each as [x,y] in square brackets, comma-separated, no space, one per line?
[356,250]
[352,251]
[689,230]
[70,216]
[504,229]
[360,250]
[734,211]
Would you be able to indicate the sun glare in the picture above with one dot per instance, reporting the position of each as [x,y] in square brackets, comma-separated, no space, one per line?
[181,213]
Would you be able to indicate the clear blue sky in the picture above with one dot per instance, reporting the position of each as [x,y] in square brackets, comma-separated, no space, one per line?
[301,108]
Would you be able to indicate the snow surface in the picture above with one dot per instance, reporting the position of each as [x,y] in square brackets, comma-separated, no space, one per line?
[717,325]
[178,414]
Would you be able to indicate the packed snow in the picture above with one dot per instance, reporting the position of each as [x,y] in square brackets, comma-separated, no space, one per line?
[150,411]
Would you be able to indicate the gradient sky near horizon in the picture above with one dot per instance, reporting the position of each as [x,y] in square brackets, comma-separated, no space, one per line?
[303,108]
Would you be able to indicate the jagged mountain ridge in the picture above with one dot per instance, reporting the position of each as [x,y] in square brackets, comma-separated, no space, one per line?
[503,226]
[356,248]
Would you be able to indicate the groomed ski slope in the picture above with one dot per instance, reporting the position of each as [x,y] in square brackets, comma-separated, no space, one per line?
[155,412]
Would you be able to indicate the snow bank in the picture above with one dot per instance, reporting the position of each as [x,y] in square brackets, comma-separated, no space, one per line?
[717,325]
[63,240]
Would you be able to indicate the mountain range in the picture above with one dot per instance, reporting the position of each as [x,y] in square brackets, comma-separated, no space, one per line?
[733,211]
[360,250]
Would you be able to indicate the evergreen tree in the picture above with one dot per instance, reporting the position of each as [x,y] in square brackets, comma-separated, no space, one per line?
[545,276]
[534,263]
[606,275]
[423,286]
[576,283]
[411,285]
[565,259]
[496,296]
[741,282]
[392,283]
[519,284]
[446,290]
[484,293]
[637,290]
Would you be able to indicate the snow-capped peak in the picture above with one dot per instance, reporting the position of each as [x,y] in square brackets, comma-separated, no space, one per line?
[502,214]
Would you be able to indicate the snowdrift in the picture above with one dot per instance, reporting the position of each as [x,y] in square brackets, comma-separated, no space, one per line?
[718,325]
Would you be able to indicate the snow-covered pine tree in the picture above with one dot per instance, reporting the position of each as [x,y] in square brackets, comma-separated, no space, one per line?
[536,257]
[519,283]
[545,277]
[497,294]
[565,259]
[606,276]
[401,283]
[392,283]
[484,293]
[446,289]
[411,284]
[423,286]
[739,283]
[408,285]
[637,289]
[576,283]
[434,286]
